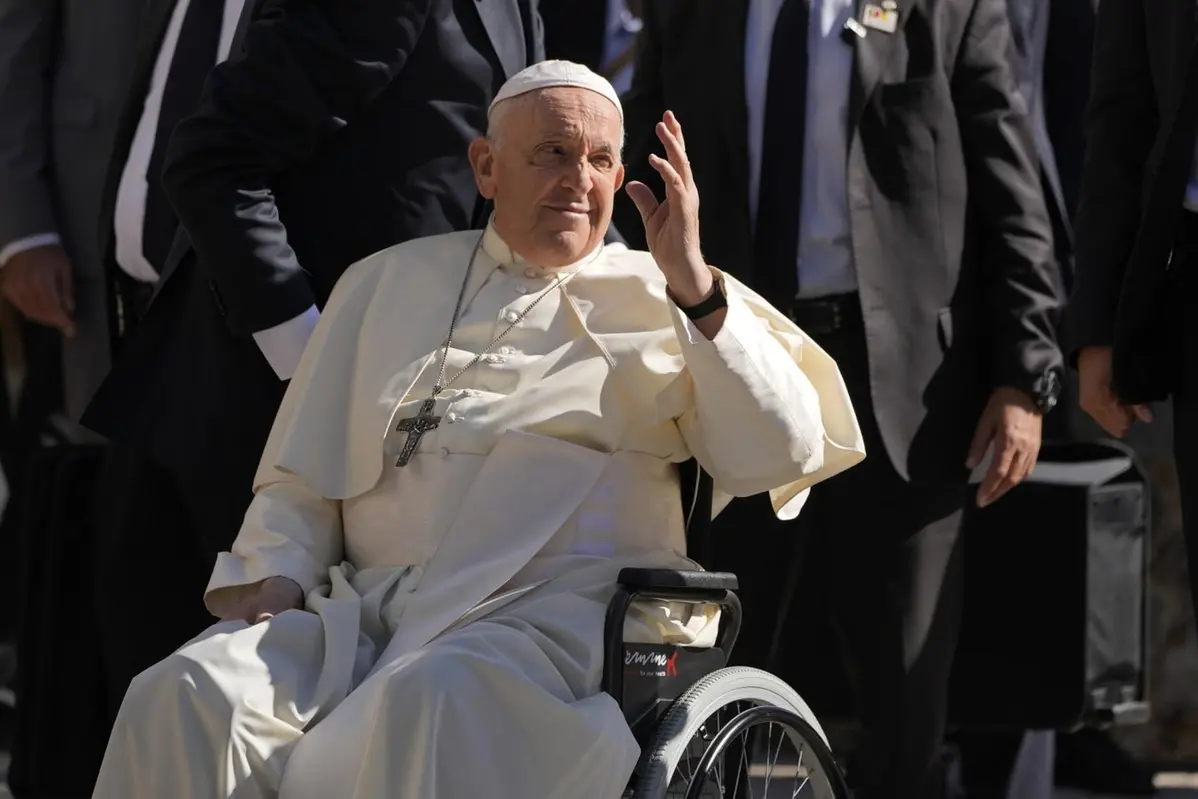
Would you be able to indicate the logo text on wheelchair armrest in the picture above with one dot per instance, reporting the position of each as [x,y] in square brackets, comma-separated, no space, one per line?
[664,665]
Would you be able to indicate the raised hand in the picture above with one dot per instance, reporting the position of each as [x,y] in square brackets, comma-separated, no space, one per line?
[672,225]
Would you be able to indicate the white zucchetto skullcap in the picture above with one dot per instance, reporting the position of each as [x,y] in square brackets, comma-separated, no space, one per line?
[554,74]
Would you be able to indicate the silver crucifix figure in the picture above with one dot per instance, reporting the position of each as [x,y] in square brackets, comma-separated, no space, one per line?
[416,427]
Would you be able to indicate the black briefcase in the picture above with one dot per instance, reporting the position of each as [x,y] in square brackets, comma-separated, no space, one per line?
[1053,632]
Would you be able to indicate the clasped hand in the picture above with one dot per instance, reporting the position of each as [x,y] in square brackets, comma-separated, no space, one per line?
[672,225]
[1097,395]
[273,596]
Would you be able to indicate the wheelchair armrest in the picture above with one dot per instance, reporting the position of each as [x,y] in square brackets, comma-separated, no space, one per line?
[649,580]
[670,585]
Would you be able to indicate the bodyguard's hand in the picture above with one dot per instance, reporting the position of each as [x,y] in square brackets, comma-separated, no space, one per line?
[672,225]
[38,283]
[274,595]
[1097,397]
[1011,423]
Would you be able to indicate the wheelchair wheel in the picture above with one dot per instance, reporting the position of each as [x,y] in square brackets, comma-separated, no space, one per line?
[736,733]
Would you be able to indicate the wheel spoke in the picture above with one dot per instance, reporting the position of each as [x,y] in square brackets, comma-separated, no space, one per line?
[708,734]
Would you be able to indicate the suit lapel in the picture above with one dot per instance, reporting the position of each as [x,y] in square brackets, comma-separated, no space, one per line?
[248,12]
[534,32]
[871,55]
[505,28]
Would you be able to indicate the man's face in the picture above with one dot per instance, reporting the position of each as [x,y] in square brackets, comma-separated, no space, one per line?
[552,168]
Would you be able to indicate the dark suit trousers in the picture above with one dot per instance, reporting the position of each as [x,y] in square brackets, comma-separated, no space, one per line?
[151,568]
[40,397]
[868,580]
[1185,416]
[118,586]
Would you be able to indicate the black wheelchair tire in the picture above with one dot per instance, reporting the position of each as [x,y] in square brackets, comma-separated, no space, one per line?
[717,690]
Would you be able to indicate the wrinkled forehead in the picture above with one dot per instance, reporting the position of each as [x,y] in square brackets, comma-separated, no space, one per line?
[572,113]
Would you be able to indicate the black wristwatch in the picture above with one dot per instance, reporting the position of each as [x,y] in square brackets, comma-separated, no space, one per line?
[716,300]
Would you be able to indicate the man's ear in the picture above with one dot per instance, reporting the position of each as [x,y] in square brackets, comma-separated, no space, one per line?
[620,177]
[482,161]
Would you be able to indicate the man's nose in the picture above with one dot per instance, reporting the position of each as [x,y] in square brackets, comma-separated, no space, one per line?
[579,177]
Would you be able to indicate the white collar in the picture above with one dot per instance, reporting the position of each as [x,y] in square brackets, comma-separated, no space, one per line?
[511,261]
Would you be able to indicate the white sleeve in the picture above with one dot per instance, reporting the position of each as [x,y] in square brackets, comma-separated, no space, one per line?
[19,246]
[284,344]
[769,410]
[289,532]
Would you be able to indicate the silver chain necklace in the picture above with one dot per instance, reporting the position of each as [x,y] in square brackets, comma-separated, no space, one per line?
[425,420]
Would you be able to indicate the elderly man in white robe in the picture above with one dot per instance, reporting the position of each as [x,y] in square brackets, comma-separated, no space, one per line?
[483,431]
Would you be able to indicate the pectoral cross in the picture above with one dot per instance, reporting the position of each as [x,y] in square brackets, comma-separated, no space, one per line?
[416,427]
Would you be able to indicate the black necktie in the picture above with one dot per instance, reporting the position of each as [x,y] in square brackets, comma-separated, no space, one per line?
[776,236]
[194,57]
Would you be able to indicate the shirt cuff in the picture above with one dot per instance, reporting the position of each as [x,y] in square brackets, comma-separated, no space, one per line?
[283,345]
[19,246]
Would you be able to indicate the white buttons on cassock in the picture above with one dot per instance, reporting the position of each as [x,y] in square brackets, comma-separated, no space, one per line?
[493,359]
[506,350]
[522,289]
[511,317]
[451,417]
[530,272]
[444,452]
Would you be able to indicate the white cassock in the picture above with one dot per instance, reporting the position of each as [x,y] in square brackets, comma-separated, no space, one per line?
[553,467]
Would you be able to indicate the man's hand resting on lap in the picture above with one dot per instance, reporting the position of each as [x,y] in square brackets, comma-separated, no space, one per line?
[274,595]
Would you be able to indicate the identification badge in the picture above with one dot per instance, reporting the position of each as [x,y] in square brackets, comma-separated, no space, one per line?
[879,18]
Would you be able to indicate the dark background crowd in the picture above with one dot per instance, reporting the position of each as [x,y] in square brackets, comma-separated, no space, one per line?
[167,234]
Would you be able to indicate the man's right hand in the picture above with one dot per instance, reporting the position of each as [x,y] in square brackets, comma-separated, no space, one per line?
[1097,396]
[38,282]
[274,595]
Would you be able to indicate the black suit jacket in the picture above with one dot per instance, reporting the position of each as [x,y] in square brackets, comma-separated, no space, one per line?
[1067,87]
[1031,23]
[339,130]
[1138,152]
[576,30]
[952,240]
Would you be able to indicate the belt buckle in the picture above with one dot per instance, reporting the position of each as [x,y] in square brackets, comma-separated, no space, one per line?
[837,317]
[817,316]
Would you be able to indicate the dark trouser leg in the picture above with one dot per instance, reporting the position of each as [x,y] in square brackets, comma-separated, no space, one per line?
[1185,453]
[1185,422]
[60,730]
[1007,764]
[879,559]
[150,569]
[893,585]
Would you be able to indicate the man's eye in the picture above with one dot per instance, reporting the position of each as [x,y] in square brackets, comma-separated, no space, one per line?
[549,155]
[603,161]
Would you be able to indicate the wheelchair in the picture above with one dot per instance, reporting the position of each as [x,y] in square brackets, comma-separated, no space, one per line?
[708,731]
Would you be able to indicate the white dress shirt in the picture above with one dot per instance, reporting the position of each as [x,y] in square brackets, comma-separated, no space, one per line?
[131,194]
[825,263]
[281,345]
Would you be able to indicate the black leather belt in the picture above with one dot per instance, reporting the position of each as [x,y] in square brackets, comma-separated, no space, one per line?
[821,316]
